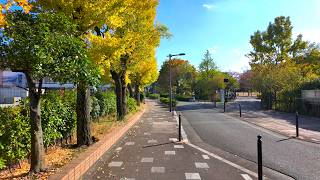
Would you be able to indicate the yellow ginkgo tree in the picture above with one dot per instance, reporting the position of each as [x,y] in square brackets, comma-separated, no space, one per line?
[142,75]
[88,16]
[116,49]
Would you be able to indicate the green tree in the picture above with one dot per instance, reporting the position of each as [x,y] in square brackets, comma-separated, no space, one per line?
[207,64]
[275,55]
[88,16]
[41,45]
[183,76]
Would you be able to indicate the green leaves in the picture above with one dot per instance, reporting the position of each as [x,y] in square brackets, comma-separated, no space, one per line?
[14,135]
[45,45]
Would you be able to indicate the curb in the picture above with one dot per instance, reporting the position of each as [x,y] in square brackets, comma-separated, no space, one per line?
[300,138]
[78,166]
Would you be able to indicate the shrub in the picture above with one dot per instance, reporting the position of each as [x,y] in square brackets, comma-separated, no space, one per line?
[154,96]
[14,135]
[167,101]
[95,109]
[131,104]
[58,116]
[164,95]
[111,102]
[183,98]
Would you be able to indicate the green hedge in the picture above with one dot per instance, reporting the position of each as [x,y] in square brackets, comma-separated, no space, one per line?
[164,95]
[107,102]
[58,118]
[153,96]
[167,101]
[14,135]
[131,104]
[183,98]
[58,115]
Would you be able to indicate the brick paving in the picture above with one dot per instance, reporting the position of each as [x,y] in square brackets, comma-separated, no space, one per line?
[150,151]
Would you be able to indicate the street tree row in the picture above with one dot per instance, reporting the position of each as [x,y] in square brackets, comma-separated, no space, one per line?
[84,42]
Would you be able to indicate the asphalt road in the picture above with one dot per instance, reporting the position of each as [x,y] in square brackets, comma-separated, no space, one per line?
[293,157]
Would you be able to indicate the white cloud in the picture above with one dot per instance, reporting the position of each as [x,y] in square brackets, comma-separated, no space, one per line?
[209,6]
[240,64]
[236,51]
[237,61]
[312,35]
[213,50]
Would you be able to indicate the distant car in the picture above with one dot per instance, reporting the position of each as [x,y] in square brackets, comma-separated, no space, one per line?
[193,99]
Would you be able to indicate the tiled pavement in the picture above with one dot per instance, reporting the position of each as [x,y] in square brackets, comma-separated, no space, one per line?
[150,151]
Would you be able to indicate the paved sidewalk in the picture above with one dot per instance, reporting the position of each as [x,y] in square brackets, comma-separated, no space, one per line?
[150,151]
[281,122]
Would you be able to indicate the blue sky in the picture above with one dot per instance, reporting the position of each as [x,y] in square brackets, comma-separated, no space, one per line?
[224,27]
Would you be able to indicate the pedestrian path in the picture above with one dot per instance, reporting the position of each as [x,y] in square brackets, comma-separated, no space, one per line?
[150,150]
[280,122]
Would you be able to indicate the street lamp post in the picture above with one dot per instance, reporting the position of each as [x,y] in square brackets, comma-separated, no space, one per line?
[170,76]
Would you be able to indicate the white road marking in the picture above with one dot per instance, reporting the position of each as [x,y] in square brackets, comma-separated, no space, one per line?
[185,138]
[173,139]
[246,177]
[178,146]
[115,164]
[147,160]
[158,170]
[201,165]
[152,141]
[169,152]
[204,156]
[192,175]
[224,160]
[129,143]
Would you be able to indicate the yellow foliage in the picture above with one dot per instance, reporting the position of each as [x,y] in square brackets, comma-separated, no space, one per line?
[5,7]
[86,14]
[129,27]
[132,33]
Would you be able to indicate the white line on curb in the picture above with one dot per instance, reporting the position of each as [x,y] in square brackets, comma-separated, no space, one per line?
[246,177]
[185,139]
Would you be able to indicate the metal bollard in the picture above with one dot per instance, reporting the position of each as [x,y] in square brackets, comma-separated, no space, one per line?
[259,144]
[179,127]
[297,124]
[224,106]
[240,110]
[172,112]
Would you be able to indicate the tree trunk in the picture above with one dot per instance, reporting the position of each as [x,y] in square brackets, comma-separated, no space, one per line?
[124,96]
[120,88]
[275,100]
[137,93]
[131,94]
[83,115]
[37,147]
